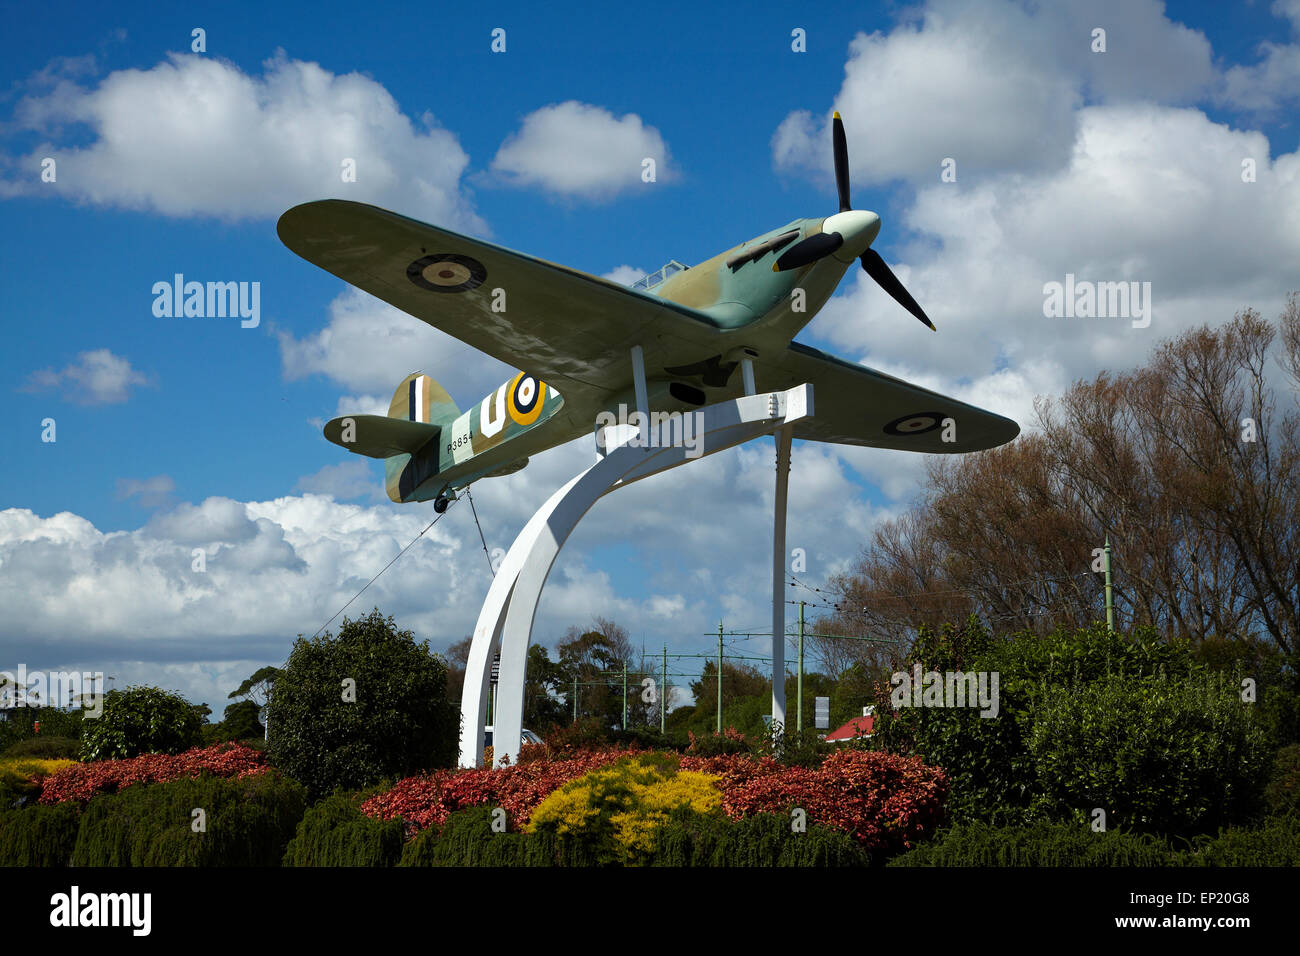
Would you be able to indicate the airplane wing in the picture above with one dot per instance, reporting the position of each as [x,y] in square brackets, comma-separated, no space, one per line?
[855,405]
[570,329]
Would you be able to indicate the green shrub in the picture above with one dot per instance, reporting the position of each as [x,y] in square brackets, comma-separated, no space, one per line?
[43,746]
[141,720]
[997,778]
[38,835]
[1177,756]
[335,832]
[1276,843]
[400,722]
[466,838]
[1283,791]
[766,839]
[1040,844]
[249,822]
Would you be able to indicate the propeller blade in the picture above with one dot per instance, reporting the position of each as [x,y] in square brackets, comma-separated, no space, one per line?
[841,161]
[809,250]
[885,278]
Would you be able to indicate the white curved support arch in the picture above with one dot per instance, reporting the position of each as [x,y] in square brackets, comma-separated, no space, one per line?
[506,620]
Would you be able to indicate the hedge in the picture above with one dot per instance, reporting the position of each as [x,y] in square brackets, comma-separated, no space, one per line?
[765,840]
[466,838]
[249,822]
[38,836]
[1041,844]
[335,832]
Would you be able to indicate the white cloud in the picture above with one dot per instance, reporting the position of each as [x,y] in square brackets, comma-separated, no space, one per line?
[195,135]
[577,150]
[351,478]
[993,85]
[1265,87]
[97,377]
[369,346]
[624,275]
[153,492]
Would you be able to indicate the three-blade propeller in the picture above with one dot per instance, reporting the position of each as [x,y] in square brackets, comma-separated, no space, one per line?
[822,244]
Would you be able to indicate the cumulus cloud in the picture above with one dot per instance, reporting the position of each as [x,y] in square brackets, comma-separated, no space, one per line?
[624,275]
[97,377]
[1274,82]
[197,136]
[347,479]
[577,150]
[368,346]
[993,85]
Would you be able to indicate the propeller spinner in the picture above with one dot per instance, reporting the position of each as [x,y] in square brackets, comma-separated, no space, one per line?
[848,235]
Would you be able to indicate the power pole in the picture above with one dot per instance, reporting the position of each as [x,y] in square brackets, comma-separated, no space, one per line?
[625,695]
[799,685]
[719,677]
[663,693]
[1110,594]
[575,700]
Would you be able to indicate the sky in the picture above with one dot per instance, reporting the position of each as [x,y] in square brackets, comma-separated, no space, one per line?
[1002,146]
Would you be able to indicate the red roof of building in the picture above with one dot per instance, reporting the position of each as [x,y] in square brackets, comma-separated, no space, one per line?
[857,727]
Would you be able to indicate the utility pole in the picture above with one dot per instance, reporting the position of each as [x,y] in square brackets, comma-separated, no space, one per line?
[625,695]
[719,677]
[799,685]
[663,692]
[575,700]
[1110,594]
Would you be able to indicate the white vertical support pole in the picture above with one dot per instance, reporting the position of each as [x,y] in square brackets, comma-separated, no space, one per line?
[784,436]
[747,374]
[642,396]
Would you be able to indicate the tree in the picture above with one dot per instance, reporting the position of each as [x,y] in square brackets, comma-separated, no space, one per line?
[140,719]
[241,721]
[1190,466]
[371,703]
[257,687]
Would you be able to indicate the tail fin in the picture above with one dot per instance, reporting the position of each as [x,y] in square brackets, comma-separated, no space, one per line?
[421,399]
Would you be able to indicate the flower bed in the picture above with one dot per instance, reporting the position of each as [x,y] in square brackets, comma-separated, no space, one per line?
[83,781]
[427,799]
[883,801]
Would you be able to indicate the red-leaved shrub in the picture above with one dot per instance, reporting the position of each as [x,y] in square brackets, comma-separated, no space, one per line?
[427,799]
[884,801]
[83,781]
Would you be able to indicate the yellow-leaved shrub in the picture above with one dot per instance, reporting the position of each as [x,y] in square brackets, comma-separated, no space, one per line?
[616,809]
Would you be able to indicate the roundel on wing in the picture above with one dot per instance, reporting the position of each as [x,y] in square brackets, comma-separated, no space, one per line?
[446,272]
[524,398]
[918,423]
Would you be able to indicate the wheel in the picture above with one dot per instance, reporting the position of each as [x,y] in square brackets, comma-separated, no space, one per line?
[440,504]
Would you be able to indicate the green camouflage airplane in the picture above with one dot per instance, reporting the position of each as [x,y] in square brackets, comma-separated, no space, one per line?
[574,333]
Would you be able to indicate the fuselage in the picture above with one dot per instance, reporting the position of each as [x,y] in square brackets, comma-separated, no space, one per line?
[738,291]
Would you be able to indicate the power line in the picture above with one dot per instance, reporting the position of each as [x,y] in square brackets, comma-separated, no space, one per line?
[385,568]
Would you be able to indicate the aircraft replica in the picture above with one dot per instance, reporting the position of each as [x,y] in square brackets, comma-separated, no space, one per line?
[576,334]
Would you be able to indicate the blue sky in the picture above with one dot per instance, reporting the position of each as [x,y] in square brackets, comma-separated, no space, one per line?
[175,433]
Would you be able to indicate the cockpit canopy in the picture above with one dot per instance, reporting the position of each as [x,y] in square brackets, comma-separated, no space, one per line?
[646,283]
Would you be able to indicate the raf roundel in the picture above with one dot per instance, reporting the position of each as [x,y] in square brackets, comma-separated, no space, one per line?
[915,424]
[525,398]
[447,272]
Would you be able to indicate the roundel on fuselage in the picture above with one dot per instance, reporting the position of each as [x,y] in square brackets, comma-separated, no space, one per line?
[524,398]
[918,423]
